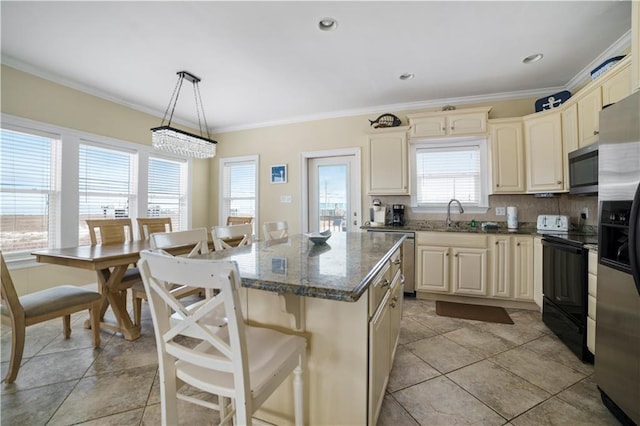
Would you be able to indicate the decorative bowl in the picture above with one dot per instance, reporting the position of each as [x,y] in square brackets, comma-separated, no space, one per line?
[319,238]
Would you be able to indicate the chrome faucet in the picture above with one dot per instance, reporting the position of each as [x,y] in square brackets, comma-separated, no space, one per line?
[448,221]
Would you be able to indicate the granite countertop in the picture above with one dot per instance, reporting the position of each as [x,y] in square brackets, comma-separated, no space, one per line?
[341,269]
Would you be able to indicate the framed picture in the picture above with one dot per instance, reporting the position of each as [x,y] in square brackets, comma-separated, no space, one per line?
[279,173]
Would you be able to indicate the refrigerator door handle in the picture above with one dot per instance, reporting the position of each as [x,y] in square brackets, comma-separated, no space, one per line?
[634,239]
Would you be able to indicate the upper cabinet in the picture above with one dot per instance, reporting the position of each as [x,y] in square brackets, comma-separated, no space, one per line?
[507,156]
[570,138]
[471,121]
[589,106]
[387,161]
[543,151]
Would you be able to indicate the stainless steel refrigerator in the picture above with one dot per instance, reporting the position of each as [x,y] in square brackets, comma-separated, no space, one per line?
[617,357]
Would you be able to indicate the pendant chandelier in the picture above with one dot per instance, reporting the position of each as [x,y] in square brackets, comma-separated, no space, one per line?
[177,141]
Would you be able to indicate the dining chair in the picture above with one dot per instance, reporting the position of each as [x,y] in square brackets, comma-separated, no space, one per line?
[197,237]
[149,225]
[60,301]
[222,235]
[239,362]
[275,230]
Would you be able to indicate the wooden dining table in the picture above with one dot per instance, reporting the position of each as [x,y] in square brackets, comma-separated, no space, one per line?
[110,261]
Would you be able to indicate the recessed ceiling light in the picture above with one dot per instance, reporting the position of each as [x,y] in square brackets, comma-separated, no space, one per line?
[532,58]
[327,24]
[407,76]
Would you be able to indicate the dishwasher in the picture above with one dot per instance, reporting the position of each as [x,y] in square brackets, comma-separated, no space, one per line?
[408,259]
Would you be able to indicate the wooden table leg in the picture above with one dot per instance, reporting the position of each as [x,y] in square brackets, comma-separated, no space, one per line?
[114,296]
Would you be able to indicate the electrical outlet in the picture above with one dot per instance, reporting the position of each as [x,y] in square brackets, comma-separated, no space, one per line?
[500,211]
[585,213]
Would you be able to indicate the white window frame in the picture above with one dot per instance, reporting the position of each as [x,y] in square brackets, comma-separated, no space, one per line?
[184,221]
[68,175]
[454,143]
[222,219]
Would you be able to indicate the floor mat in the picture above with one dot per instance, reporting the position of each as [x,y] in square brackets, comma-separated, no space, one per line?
[473,312]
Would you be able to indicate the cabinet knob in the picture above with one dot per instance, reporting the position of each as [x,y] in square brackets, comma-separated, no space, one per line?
[393,304]
[595,132]
[496,243]
[452,128]
[385,283]
[559,182]
[397,261]
[518,244]
[456,255]
[498,185]
[444,129]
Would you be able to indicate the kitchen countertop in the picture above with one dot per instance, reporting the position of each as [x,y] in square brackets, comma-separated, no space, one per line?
[526,228]
[341,269]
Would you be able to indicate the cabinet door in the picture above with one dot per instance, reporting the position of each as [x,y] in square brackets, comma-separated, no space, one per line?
[523,267]
[569,138]
[501,266]
[537,271]
[379,358]
[589,117]
[635,45]
[469,271]
[395,305]
[430,126]
[507,155]
[432,268]
[388,163]
[617,87]
[543,147]
[467,124]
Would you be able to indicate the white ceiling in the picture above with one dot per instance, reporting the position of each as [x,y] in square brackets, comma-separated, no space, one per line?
[265,63]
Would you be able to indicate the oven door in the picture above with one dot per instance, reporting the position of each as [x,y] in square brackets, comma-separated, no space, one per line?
[564,277]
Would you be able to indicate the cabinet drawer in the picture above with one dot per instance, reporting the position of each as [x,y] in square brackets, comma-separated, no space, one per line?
[593,262]
[379,288]
[591,335]
[396,262]
[593,284]
[591,307]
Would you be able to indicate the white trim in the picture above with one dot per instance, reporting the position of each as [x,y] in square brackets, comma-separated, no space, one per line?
[245,158]
[304,181]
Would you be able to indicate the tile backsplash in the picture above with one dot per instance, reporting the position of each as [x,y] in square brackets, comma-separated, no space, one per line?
[529,207]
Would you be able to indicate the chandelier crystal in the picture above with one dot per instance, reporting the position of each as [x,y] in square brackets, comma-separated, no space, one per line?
[178,141]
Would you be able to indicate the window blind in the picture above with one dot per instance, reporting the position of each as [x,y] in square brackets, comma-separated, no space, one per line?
[443,173]
[29,191]
[167,191]
[239,189]
[106,185]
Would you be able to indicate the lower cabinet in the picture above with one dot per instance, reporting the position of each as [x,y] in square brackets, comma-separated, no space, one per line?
[385,298]
[537,271]
[512,267]
[499,266]
[453,263]
[592,279]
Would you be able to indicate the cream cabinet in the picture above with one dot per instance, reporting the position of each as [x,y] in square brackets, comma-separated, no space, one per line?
[543,152]
[592,296]
[512,267]
[537,271]
[471,121]
[507,156]
[385,307]
[589,106]
[617,86]
[523,267]
[454,263]
[387,162]
[570,139]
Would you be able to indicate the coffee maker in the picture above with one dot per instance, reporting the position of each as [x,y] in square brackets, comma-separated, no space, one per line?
[378,213]
[397,214]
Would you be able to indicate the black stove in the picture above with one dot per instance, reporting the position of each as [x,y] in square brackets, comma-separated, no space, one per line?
[573,238]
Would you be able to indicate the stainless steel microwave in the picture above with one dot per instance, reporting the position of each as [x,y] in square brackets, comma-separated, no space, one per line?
[583,170]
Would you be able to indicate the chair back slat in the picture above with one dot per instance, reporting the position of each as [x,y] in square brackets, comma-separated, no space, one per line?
[110,231]
[275,230]
[149,225]
[239,220]
[9,294]
[241,233]
[198,237]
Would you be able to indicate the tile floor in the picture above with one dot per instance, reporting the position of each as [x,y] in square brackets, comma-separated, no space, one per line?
[446,372]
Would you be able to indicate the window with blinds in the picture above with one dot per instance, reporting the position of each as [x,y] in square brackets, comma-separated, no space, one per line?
[106,185]
[167,191]
[29,191]
[238,187]
[455,169]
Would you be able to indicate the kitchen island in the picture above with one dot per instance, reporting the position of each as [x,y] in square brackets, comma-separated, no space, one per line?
[345,297]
